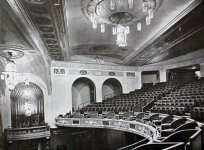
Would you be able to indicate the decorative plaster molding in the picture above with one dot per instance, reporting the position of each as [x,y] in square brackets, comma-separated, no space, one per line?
[186,63]
[135,127]
[97,67]
[172,66]
[95,73]
[92,66]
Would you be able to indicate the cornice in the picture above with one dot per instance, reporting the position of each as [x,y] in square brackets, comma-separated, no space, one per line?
[172,66]
[92,66]
[175,42]
[126,68]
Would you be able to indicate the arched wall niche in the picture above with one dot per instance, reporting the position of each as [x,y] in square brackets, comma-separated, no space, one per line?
[111,87]
[83,91]
[27,105]
[6,110]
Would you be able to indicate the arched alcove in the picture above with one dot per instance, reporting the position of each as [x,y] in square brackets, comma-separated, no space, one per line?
[83,91]
[111,87]
[27,105]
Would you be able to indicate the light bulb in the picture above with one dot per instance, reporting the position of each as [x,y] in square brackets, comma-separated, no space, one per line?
[148,20]
[112,4]
[130,4]
[94,24]
[92,17]
[139,26]
[114,30]
[102,28]
[144,6]
[98,9]
[127,30]
[150,13]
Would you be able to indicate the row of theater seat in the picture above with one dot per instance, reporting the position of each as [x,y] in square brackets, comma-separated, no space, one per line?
[174,97]
[126,102]
[188,99]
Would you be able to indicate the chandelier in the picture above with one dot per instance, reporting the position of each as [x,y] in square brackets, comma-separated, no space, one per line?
[10,75]
[120,14]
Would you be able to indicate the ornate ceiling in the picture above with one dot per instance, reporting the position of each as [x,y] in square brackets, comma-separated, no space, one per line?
[65,28]
[122,14]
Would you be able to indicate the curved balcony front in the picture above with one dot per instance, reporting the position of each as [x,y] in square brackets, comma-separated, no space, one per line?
[135,127]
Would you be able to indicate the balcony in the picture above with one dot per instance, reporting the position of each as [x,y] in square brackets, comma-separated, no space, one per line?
[144,130]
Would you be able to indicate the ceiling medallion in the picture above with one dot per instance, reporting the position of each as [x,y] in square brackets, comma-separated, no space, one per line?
[119,14]
[11,54]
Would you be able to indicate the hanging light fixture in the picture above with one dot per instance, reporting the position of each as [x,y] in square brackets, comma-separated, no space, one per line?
[10,75]
[120,14]
[121,32]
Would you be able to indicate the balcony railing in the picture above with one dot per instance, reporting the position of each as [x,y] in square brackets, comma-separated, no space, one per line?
[144,130]
[27,133]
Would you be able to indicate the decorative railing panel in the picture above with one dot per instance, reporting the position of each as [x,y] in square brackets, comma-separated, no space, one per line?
[27,133]
[144,130]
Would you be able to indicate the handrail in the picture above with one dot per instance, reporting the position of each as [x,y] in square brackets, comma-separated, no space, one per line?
[136,108]
[148,106]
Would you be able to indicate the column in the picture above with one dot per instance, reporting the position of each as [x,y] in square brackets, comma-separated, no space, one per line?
[162,75]
[139,79]
[99,97]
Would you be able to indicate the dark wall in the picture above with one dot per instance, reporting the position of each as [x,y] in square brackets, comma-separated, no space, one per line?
[90,139]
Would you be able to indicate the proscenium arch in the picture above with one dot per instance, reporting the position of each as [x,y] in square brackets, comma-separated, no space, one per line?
[27,105]
[111,87]
[83,92]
